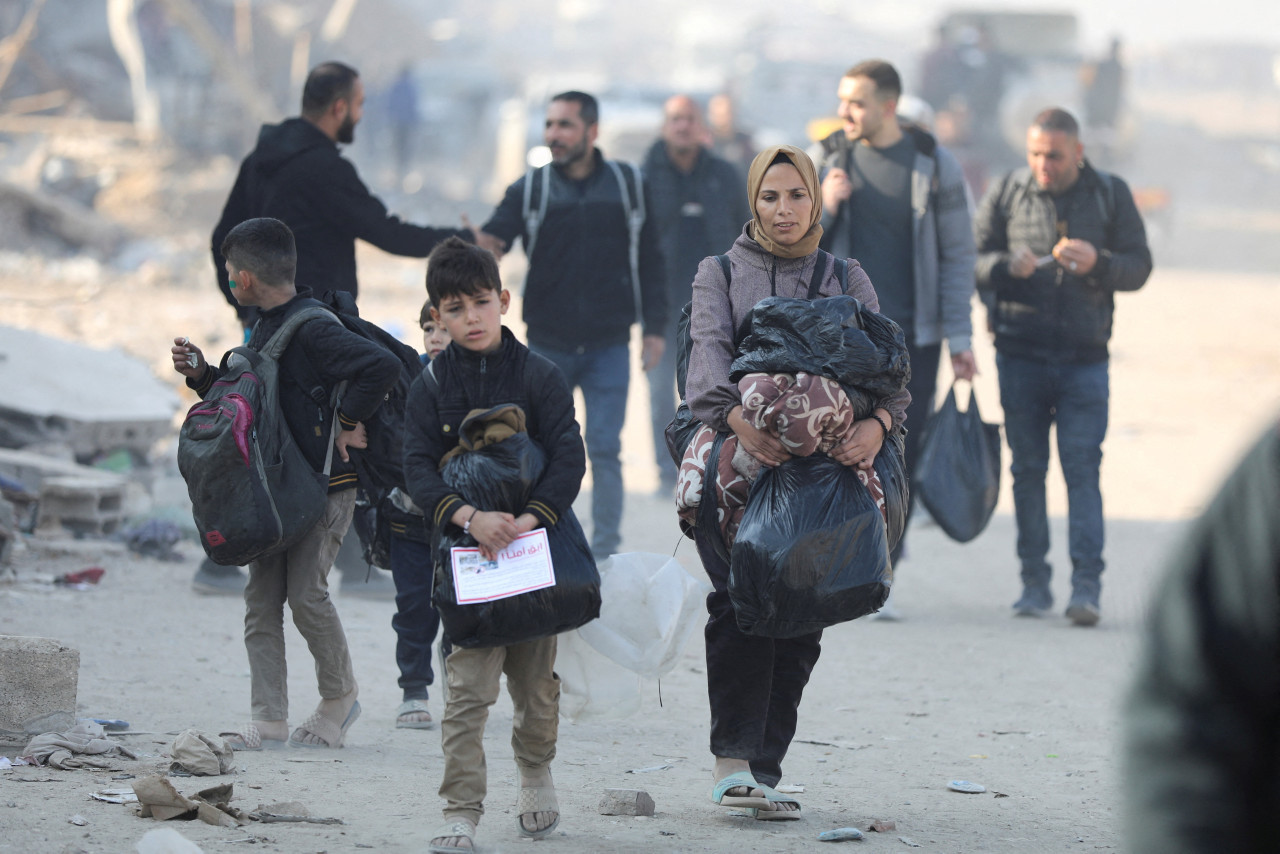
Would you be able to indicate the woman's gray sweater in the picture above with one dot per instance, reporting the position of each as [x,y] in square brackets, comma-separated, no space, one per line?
[719,310]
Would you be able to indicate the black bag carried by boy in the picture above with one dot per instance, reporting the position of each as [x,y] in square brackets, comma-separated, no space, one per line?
[381,465]
[501,476]
[253,493]
[958,474]
[812,550]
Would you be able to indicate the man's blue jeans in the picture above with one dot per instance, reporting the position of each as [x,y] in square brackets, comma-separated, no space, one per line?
[603,374]
[1034,396]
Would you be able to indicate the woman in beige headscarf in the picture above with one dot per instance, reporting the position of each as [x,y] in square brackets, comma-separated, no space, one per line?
[755,683]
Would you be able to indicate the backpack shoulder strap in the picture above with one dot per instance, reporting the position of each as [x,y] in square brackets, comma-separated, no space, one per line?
[727,268]
[533,217]
[842,273]
[633,209]
[819,274]
[277,343]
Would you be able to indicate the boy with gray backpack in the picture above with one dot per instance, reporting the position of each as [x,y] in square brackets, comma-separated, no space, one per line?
[261,446]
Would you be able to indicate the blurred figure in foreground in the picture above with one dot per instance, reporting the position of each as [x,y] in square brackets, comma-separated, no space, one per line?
[699,209]
[1056,241]
[1203,722]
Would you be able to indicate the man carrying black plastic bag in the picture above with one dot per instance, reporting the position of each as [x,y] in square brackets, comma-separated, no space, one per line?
[482,368]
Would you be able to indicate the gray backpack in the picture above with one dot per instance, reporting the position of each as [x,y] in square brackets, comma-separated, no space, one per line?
[253,493]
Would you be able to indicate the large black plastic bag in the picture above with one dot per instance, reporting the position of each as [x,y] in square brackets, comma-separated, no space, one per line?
[834,337]
[500,477]
[893,480]
[812,550]
[958,474]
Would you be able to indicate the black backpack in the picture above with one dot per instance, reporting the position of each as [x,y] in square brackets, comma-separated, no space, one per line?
[679,433]
[379,466]
[253,493]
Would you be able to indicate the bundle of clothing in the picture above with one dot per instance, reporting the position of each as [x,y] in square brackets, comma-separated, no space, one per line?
[806,372]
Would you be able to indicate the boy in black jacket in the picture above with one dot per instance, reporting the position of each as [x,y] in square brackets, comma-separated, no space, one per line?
[261,260]
[485,366]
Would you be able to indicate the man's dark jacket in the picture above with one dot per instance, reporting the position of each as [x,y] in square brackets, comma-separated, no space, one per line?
[295,174]
[321,355]
[465,381]
[579,293]
[1057,316]
[716,185]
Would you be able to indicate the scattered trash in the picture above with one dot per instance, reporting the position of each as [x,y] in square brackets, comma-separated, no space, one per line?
[883,826]
[626,802]
[789,789]
[153,538]
[966,788]
[82,580]
[111,725]
[840,834]
[166,840]
[85,745]
[907,842]
[979,756]
[196,754]
[1000,795]
[830,744]
[666,833]
[650,768]
[161,801]
[6,762]
[115,796]
[78,820]
[290,811]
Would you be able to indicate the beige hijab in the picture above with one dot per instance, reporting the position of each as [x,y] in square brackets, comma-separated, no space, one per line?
[808,174]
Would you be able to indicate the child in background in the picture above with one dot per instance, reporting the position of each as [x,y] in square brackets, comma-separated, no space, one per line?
[434,336]
[485,366]
[415,620]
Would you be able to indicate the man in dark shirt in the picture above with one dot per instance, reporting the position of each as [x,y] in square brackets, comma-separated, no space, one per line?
[297,175]
[896,201]
[590,274]
[1056,241]
[699,207]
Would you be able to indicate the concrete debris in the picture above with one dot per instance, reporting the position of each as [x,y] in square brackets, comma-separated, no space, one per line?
[38,693]
[48,394]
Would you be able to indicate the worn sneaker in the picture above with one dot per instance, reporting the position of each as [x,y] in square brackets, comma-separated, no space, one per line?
[1036,601]
[1083,611]
[214,580]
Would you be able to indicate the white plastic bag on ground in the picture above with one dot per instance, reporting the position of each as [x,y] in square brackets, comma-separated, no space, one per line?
[593,688]
[650,607]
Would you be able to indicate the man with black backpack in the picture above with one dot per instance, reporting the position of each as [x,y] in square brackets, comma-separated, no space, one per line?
[595,267]
[1055,242]
[330,381]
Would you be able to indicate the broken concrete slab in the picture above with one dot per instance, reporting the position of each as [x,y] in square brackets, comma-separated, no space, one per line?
[41,676]
[92,400]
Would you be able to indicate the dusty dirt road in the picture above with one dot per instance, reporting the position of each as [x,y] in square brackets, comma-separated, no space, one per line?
[957,690]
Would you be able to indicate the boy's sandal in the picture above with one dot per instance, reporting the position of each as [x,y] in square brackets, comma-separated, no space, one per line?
[775,797]
[738,780]
[456,828]
[536,799]
[249,738]
[413,707]
[324,729]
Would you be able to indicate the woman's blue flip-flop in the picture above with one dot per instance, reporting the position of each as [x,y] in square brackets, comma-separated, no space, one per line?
[738,780]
